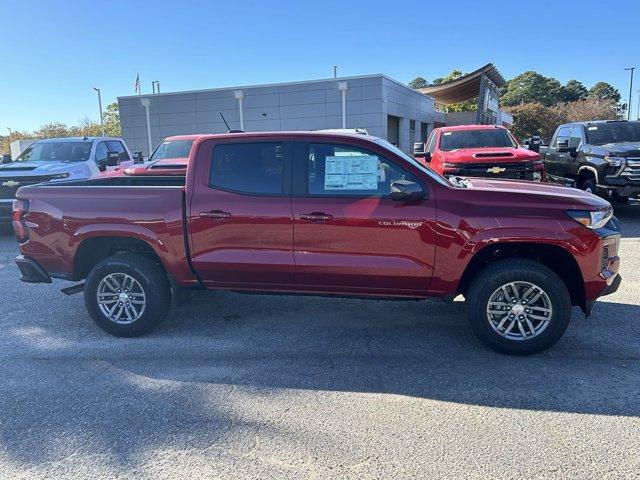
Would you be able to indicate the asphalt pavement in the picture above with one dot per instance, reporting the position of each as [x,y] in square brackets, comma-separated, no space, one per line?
[240,386]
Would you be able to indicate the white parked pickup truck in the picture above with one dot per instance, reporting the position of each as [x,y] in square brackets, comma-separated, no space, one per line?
[60,158]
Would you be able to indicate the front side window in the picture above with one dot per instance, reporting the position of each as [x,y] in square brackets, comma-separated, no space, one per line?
[253,168]
[575,139]
[485,138]
[562,133]
[101,151]
[116,146]
[431,144]
[56,152]
[337,170]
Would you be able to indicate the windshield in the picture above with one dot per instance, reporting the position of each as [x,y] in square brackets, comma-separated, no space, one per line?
[458,139]
[413,161]
[56,152]
[615,132]
[172,149]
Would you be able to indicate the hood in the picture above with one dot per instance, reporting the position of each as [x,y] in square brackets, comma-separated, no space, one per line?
[628,149]
[489,155]
[166,166]
[541,192]
[25,169]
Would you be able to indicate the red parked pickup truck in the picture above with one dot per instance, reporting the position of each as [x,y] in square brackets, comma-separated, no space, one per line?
[322,214]
[480,151]
[169,158]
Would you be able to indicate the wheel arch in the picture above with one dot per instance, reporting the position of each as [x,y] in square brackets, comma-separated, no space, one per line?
[553,256]
[95,248]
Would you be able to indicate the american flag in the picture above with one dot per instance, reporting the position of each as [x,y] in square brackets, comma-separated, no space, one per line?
[136,86]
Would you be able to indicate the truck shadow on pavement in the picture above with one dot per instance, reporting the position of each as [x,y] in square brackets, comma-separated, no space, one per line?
[629,216]
[67,387]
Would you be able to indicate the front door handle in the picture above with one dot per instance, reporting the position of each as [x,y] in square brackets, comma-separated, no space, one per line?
[315,216]
[215,214]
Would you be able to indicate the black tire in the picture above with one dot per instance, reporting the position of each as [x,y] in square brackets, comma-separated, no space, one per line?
[152,279]
[502,272]
[589,185]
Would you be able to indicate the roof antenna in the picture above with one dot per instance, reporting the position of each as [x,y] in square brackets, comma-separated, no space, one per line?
[225,122]
[229,130]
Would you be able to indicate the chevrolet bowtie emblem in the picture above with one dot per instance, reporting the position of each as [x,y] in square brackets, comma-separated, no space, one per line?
[495,170]
[10,183]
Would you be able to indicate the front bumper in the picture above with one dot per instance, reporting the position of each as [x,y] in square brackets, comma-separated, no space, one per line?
[31,271]
[6,207]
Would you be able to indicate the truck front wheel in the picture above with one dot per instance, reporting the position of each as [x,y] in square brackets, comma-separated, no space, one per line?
[127,294]
[518,306]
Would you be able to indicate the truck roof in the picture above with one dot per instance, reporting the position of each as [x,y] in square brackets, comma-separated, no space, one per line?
[288,133]
[469,127]
[596,122]
[75,139]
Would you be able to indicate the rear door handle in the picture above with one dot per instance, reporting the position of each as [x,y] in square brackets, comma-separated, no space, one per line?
[315,216]
[215,214]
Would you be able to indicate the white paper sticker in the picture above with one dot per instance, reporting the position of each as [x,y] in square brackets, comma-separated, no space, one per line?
[592,128]
[446,134]
[351,173]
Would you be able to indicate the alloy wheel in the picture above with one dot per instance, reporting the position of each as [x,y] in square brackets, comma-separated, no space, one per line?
[121,298]
[519,311]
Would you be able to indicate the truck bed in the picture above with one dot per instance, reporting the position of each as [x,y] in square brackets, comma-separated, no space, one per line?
[66,216]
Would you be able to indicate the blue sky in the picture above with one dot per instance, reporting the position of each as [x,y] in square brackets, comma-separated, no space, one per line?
[53,53]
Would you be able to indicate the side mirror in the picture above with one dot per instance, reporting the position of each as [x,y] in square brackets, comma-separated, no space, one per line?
[570,150]
[137,157]
[113,158]
[102,164]
[6,159]
[404,190]
[563,142]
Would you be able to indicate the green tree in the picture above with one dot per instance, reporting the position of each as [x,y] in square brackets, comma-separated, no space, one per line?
[112,120]
[418,82]
[574,90]
[532,87]
[52,130]
[604,91]
[534,118]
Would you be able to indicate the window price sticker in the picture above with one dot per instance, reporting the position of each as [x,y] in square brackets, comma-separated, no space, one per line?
[351,173]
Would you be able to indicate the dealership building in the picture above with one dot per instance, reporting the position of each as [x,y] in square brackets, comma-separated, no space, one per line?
[382,106]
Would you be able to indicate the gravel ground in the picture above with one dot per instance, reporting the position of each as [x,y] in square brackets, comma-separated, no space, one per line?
[237,386]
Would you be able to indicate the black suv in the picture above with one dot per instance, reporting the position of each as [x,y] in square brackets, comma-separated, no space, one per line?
[601,157]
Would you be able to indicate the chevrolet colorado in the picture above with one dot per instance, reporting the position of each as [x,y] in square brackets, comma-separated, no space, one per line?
[322,214]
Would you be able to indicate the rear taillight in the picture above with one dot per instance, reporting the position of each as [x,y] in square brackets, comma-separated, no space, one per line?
[20,210]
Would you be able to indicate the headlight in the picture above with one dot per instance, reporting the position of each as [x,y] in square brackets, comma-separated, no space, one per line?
[614,161]
[593,219]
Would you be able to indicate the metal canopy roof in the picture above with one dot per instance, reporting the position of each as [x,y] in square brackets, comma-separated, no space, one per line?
[463,88]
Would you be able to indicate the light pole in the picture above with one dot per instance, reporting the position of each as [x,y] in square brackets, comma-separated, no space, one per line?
[10,133]
[146,103]
[631,69]
[100,107]
[638,114]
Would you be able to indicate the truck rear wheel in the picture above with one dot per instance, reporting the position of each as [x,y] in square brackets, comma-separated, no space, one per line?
[518,306]
[127,294]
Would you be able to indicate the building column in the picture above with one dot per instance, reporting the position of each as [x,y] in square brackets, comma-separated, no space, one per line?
[403,140]
[239,95]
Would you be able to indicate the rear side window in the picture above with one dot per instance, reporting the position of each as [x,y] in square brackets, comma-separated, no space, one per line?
[336,170]
[253,168]
[116,146]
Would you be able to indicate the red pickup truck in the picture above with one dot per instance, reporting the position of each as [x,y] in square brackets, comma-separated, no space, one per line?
[322,214]
[169,158]
[480,151]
